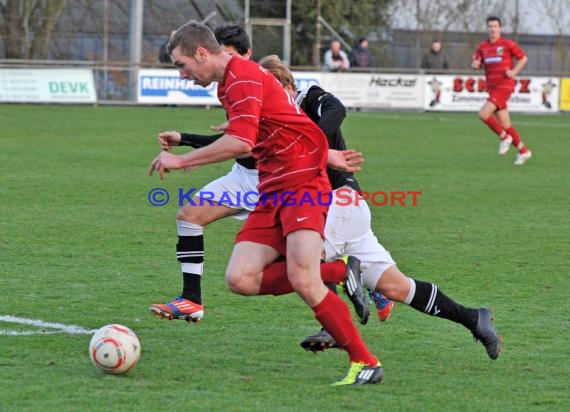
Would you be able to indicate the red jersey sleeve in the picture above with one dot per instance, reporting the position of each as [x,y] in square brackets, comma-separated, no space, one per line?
[517,51]
[242,99]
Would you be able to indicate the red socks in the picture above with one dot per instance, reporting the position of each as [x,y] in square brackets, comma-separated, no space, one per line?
[495,126]
[334,272]
[332,312]
[275,282]
[333,315]
[517,140]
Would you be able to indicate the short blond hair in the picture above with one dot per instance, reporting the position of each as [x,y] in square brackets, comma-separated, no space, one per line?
[278,69]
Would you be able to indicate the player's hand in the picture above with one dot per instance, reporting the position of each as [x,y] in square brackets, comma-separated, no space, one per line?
[168,139]
[163,163]
[476,64]
[345,160]
[220,128]
[509,73]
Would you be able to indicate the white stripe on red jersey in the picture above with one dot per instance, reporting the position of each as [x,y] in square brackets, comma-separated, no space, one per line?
[497,58]
[287,146]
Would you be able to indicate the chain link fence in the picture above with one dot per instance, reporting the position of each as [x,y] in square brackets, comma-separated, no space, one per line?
[96,34]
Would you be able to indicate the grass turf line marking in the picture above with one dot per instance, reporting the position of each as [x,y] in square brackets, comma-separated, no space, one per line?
[58,327]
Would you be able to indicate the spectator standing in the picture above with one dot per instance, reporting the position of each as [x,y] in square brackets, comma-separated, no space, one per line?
[361,56]
[435,58]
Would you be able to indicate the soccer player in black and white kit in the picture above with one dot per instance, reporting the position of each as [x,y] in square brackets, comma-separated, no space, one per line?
[348,231]
[191,219]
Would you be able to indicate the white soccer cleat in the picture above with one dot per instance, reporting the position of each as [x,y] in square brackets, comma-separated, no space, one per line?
[504,145]
[523,157]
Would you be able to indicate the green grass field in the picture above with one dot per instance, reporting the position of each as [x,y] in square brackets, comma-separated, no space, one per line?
[81,245]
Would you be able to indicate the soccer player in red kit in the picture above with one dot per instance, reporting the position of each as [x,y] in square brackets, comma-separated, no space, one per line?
[290,153]
[496,55]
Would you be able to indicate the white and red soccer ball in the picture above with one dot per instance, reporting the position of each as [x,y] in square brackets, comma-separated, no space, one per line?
[115,349]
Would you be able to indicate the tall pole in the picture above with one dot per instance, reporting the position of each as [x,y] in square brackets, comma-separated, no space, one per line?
[516,22]
[418,34]
[105,48]
[135,45]
[317,46]
[247,21]
[287,35]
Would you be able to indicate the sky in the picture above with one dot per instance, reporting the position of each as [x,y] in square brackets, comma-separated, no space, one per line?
[532,15]
[535,23]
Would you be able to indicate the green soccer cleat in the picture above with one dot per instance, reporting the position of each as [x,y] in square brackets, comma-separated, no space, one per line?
[361,373]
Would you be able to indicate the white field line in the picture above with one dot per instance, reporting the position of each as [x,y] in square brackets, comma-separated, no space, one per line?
[36,323]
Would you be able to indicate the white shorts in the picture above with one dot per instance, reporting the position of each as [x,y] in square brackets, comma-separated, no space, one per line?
[348,232]
[237,189]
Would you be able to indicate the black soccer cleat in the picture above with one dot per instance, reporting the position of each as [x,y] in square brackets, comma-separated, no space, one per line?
[353,288]
[485,333]
[319,342]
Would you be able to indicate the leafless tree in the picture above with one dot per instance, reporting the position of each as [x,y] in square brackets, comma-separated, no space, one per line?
[433,18]
[446,15]
[26,26]
[556,11]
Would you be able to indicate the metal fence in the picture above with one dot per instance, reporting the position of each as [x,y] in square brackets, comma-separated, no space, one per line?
[96,35]
[99,31]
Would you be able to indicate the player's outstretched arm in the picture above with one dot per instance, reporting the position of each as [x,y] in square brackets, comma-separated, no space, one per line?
[226,147]
[168,139]
[198,140]
[191,139]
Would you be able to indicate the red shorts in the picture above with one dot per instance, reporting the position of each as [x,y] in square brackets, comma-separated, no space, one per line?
[285,211]
[500,96]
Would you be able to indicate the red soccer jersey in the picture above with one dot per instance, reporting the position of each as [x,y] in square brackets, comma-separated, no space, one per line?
[287,146]
[497,58]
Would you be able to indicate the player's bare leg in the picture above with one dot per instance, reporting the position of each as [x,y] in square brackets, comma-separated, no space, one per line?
[487,116]
[524,154]
[303,251]
[244,276]
[245,268]
[303,266]
[190,222]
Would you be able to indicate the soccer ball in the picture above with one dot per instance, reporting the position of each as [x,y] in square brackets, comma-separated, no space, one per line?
[115,349]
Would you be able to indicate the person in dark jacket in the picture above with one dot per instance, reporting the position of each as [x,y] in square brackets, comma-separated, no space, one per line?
[360,56]
[435,59]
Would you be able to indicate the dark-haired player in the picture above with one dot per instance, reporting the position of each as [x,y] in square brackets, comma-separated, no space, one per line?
[348,231]
[192,219]
[496,56]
